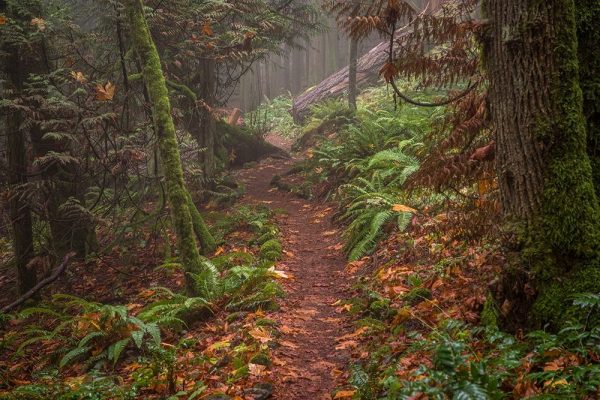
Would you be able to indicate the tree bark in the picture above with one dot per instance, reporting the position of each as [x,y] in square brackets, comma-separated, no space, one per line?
[588,15]
[544,172]
[177,193]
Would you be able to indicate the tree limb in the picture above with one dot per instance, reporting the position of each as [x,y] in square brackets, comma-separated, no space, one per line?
[43,283]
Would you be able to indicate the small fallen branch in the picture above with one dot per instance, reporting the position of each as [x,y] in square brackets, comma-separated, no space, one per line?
[43,283]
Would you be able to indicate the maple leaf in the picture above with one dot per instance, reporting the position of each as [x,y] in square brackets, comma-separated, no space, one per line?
[78,76]
[3,20]
[39,23]
[261,335]
[105,92]
[403,208]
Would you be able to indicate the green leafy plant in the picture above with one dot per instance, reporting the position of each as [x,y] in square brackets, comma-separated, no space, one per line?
[94,332]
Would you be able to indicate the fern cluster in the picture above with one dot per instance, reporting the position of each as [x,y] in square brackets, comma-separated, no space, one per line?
[367,164]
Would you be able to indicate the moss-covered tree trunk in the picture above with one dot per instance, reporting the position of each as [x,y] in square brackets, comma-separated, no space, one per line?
[544,171]
[588,17]
[178,196]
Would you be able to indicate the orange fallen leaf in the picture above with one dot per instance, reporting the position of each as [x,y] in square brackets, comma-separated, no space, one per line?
[3,20]
[207,30]
[105,92]
[403,208]
[344,394]
[219,251]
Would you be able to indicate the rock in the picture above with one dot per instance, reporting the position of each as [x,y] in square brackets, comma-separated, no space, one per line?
[260,391]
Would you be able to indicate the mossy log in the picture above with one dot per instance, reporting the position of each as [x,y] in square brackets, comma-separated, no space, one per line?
[244,147]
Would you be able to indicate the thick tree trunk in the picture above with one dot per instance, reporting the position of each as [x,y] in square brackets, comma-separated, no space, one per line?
[353,66]
[544,172]
[177,193]
[588,15]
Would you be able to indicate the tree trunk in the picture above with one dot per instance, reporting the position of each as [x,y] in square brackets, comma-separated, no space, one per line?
[588,15]
[19,211]
[208,76]
[17,66]
[353,65]
[177,193]
[544,172]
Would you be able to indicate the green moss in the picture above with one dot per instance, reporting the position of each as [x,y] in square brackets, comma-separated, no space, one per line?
[489,314]
[206,239]
[588,35]
[562,243]
[177,193]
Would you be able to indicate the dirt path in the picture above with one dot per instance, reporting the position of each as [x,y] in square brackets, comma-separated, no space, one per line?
[307,364]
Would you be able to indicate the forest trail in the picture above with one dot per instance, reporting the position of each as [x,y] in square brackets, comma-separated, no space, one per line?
[307,365]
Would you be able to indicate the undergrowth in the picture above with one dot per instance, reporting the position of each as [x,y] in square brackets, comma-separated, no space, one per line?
[73,348]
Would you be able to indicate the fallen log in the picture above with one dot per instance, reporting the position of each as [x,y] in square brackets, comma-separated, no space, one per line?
[367,72]
[42,284]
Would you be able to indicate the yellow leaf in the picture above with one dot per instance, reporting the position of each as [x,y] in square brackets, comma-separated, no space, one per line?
[403,208]
[78,76]
[279,274]
[344,394]
[219,251]
[40,23]
[105,92]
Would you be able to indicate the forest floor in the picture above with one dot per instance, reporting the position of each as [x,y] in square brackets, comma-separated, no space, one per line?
[311,356]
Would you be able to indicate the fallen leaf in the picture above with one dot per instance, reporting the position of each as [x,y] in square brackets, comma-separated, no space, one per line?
[105,92]
[288,344]
[3,20]
[260,334]
[39,23]
[256,369]
[207,30]
[78,76]
[403,208]
[279,274]
[344,394]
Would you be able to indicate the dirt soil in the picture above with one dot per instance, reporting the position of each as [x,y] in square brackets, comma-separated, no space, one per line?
[307,364]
